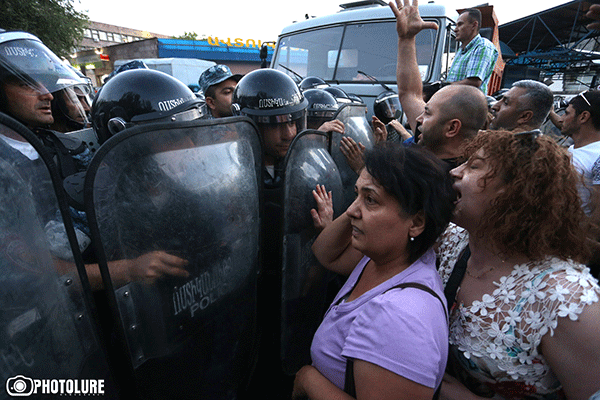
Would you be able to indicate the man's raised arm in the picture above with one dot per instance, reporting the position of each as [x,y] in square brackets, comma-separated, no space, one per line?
[408,77]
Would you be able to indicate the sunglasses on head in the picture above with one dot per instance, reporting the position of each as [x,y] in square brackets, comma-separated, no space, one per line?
[529,139]
[582,95]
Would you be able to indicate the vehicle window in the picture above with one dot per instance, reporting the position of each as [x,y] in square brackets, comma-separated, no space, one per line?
[450,50]
[368,47]
[308,53]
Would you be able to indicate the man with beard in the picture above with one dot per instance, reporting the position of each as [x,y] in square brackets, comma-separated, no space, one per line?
[581,122]
[523,108]
[453,114]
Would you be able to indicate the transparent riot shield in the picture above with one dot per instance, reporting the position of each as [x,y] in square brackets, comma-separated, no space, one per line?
[175,208]
[47,326]
[304,280]
[356,127]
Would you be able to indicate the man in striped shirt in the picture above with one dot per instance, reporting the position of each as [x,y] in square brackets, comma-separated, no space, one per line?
[474,62]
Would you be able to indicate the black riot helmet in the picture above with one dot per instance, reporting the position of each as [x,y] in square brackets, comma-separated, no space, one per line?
[141,96]
[387,107]
[356,99]
[322,107]
[269,96]
[340,96]
[274,101]
[312,82]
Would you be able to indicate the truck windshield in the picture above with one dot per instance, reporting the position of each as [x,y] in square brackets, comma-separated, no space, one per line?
[337,53]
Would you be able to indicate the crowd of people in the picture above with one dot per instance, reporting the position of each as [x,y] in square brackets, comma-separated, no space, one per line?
[466,254]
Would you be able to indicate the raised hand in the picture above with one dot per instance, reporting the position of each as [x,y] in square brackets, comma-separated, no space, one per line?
[408,20]
[332,126]
[323,214]
[594,13]
[353,152]
[379,130]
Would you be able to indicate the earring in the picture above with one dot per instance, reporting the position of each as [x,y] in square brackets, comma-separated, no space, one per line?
[412,239]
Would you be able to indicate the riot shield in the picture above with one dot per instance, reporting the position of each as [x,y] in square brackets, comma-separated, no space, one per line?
[304,281]
[356,127]
[187,191]
[47,326]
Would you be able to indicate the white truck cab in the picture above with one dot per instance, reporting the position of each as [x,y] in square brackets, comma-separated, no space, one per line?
[359,41]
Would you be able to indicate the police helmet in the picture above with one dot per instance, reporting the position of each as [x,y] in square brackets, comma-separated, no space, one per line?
[71,108]
[322,107]
[269,96]
[387,107]
[25,59]
[141,96]
[340,96]
[312,82]
[355,98]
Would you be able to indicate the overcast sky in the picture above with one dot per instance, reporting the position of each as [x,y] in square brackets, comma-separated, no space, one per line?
[251,19]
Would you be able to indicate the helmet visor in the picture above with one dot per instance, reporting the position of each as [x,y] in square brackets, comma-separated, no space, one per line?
[32,63]
[75,105]
[387,109]
[313,122]
[321,113]
[279,119]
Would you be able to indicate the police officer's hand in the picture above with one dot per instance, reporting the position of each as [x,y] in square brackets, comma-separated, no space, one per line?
[594,13]
[379,130]
[323,214]
[333,126]
[353,152]
[408,20]
[151,266]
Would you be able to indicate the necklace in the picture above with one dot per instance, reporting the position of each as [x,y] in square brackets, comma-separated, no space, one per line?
[481,274]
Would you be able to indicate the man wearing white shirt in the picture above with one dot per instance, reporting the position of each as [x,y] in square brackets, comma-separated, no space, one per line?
[581,122]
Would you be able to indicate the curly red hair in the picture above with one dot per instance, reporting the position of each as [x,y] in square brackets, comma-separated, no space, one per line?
[539,213]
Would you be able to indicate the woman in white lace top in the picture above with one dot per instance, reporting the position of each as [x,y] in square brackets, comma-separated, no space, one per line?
[526,321]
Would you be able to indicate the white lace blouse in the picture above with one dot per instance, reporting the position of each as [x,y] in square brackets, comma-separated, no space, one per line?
[495,341]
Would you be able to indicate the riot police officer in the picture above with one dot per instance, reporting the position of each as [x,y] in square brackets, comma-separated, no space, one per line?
[29,74]
[274,102]
[387,109]
[321,110]
[71,108]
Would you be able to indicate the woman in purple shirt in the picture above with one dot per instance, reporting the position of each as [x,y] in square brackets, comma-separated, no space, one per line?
[396,338]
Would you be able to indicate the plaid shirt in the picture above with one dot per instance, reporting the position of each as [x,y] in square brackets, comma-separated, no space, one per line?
[477,59]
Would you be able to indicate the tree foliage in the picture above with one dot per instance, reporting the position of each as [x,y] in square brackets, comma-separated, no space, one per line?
[190,36]
[55,22]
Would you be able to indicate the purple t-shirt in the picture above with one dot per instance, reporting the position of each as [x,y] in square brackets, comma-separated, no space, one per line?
[402,330]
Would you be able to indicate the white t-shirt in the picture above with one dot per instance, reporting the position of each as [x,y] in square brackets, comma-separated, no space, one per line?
[24,148]
[586,160]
